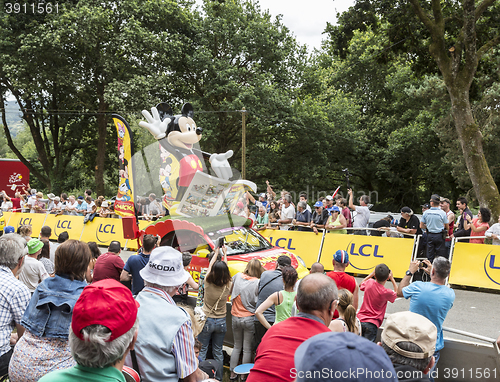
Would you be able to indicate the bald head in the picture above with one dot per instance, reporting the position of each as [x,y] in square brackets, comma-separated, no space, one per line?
[315,293]
[317,268]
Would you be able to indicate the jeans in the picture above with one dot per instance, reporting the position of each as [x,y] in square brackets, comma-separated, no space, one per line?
[433,370]
[243,333]
[214,329]
[4,362]
[369,331]
[260,330]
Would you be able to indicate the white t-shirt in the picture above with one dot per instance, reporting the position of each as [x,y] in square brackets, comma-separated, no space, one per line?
[56,206]
[6,205]
[89,206]
[32,273]
[287,213]
[52,253]
[362,217]
[494,229]
[31,203]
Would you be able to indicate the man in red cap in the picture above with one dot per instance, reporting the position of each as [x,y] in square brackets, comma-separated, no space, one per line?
[103,330]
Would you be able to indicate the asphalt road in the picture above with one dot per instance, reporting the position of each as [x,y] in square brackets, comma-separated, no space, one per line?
[473,311]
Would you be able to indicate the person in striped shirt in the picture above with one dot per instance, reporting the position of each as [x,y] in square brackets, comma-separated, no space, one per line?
[165,344]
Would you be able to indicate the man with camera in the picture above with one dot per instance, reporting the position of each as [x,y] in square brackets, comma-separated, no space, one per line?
[435,221]
[431,299]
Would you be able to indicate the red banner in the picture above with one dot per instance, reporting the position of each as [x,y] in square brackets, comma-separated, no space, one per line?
[13,176]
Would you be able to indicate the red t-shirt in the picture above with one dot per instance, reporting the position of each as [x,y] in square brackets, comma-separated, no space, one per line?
[476,223]
[16,204]
[276,351]
[374,302]
[343,281]
[108,266]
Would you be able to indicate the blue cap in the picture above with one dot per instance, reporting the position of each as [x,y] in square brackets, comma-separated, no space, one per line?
[341,256]
[332,209]
[9,229]
[80,197]
[342,357]
[319,203]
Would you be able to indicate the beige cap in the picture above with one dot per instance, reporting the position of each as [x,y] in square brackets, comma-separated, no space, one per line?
[411,327]
[104,204]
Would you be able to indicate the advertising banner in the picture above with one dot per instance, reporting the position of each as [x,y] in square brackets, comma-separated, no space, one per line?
[476,265]
[366,252]
[36,221]
[60,223]
[103,231]
[14,176]
[124,204]
[303,244]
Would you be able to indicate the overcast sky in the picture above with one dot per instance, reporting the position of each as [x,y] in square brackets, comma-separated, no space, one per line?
[307,19]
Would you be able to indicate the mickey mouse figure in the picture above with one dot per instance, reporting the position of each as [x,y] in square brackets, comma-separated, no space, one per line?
[178,134]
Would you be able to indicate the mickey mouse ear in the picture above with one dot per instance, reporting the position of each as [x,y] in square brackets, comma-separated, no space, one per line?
[164,110]
[187,110]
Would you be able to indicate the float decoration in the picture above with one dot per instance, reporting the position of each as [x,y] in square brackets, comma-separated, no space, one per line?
[124,204]
[187,188]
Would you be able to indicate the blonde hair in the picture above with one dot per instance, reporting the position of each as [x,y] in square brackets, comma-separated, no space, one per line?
[25,230]
[346,308]
[254,268]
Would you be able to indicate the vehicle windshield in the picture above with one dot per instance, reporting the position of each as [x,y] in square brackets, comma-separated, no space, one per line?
[240,240]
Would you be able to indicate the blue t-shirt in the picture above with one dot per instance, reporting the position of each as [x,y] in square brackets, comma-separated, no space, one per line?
[431,301]
[134,264]
[435,219]
[304,217]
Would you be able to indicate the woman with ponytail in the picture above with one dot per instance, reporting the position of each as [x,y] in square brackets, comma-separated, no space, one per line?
[347,321]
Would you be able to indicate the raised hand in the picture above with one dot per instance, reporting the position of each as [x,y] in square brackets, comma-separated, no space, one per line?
[154,124]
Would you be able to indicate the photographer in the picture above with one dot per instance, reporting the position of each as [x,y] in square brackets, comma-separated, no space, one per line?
[431,299]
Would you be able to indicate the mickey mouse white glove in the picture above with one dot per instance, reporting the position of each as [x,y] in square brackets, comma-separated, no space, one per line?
[220,164]
[155,125]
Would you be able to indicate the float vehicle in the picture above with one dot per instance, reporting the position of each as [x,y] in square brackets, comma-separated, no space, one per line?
[2,222]
[202,207]
[199,236]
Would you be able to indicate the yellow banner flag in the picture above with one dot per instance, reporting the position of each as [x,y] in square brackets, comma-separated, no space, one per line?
[124,204]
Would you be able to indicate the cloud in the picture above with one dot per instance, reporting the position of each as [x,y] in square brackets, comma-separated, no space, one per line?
[307,19]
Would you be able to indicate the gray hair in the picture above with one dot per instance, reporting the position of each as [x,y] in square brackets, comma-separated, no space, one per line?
[302,204]
[11,250]
[167,289]
[316,292]
[94,351]
[365,198]
[419,364]
[441,267]
[288,198]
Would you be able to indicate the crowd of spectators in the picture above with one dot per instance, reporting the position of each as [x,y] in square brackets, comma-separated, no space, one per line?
[32,201]
[64,327]
[438,225]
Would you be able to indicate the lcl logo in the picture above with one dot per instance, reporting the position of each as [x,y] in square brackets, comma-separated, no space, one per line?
[364,250]
[492,268]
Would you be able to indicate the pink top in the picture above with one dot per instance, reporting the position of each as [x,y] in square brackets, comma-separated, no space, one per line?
[374,302]
[472,233]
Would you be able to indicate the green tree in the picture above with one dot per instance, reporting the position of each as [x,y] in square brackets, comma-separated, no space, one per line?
[90,58]
[452,39]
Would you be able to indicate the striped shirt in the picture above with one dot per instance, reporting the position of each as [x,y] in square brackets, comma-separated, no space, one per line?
[183,346]
[14,298]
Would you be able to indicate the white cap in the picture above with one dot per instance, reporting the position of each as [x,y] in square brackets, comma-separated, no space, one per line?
[165,267]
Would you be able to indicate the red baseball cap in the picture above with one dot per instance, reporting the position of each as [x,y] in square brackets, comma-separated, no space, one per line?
[107,303]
